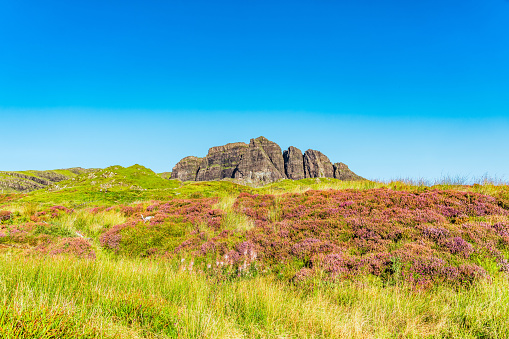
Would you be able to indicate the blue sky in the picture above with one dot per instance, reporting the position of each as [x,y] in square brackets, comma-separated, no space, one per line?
[392,88]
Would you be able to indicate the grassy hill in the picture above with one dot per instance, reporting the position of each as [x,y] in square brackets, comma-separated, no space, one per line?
[26,181]
[125,252]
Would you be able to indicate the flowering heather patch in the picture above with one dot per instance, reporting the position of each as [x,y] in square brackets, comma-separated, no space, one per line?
[99,209]
[60,208]
[424,237]
[16,232]
[435,233]
[152,208]
[5,215]
[352,232]
[131,210]
[303,274]
[9,197]
[51,212]
[337,263]
[310,246]
[111,238]
[457,245]
[78,247]
[168,227]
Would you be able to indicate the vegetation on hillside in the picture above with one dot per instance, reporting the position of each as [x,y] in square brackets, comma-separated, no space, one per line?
[26,181]
[124,252]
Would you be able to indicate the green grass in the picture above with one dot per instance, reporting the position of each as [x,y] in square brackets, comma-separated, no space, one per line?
[115,298]
[32,180]
[120,295]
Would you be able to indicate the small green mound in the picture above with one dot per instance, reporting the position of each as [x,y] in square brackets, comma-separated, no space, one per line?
[120,178]
[115,184]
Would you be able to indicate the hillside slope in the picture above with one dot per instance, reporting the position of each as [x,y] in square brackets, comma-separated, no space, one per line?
[27,181]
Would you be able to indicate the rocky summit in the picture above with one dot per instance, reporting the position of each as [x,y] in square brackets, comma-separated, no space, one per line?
[259,162]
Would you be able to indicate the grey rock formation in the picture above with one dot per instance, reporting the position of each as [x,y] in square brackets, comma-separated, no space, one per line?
[294,163]
[221,161]
[262,163]
[317,165]
[342,172]
[259,162]
[273,151]
[186,169]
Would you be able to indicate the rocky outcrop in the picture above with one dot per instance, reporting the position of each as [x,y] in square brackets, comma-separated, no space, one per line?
[342,172]
[273,151]
[186,169]
[261,161]
[221,162]
[294,163]
[28,181]
[20,185]
[317,165]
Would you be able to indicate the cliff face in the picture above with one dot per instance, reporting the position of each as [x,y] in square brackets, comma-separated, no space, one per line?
[261,161]
[294,163]
[342,172]
[317,165]
[187,168]
[220,162]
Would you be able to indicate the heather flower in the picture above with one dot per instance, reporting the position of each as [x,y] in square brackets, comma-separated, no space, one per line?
[503,265]
[247,249]
[336,264]
[71,246]
[502,228]
[458,245]
[208,247]
[302,275]
[435,233]
[5,215]
[310,246]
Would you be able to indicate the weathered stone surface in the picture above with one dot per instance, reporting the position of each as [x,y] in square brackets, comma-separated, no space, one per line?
[221,161]
[294,163]
[259,162]
[186,169]
[262,163]
[317,165]
[273,151]
[342,172]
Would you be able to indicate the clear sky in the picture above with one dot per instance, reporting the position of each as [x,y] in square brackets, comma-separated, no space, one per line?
[392,88]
